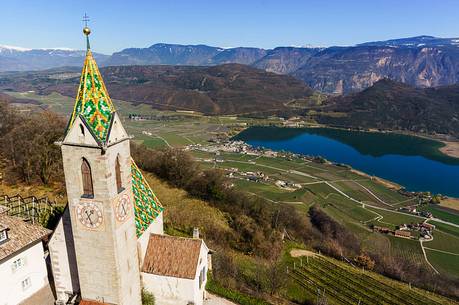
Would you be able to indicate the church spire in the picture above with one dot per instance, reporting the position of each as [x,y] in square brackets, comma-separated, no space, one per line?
[93,103]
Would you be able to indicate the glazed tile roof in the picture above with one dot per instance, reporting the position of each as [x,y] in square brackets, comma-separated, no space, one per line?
[20,235]
[172,256]
[94,107]
[146,205]
[93,103]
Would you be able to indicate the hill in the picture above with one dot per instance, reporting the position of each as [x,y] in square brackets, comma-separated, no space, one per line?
[223,89]
[392,105]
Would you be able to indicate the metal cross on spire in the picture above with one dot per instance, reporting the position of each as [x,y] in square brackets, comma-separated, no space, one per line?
[86,30]
[85,20]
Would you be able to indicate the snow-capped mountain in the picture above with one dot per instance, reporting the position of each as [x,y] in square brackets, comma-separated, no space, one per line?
[23,59]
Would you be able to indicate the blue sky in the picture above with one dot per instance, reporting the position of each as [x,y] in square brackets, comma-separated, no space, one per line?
[259,23]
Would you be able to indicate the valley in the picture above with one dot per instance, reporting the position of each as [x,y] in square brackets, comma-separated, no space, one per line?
[357,201]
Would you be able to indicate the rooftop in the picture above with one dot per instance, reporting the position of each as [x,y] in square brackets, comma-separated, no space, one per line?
[172,256]
[20,234]
[93,104]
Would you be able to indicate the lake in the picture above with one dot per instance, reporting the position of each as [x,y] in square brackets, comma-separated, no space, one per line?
[413,162]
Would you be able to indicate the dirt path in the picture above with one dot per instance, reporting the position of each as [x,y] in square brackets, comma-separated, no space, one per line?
[372,194]
[302,252]
[425,256]
[216,300]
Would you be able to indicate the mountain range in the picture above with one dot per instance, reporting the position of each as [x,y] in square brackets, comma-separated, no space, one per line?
[422,61]
[22,59]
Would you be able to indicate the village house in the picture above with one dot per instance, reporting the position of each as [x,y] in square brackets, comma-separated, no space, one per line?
[22,260]
[175,269]
[403,233]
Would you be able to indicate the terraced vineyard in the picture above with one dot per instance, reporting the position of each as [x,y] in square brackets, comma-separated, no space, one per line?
[344,284]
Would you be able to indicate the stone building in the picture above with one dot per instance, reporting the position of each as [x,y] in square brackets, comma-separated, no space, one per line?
[113,220]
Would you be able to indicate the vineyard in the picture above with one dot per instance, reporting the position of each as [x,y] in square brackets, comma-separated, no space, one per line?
[319,277]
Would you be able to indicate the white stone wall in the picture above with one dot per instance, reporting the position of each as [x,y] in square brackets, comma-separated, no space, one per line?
[178,291]
[11,291]
[107,259]
[63,264]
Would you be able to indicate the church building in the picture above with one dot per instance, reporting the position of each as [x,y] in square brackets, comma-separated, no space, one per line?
[110,244]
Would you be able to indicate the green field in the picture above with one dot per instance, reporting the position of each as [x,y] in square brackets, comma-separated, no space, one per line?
[444,241]
[445,228]
[438,212]
[311,277]
[384,193]
[444,263]
[396,219]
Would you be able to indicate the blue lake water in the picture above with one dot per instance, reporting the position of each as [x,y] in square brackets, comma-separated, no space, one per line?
[412,162]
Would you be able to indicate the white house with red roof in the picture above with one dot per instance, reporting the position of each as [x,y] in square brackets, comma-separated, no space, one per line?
[22,260]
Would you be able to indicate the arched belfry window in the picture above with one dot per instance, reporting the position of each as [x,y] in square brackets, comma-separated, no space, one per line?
[119,183]
[88,190]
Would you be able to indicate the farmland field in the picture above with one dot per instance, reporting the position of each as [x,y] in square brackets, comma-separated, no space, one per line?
[445,263]
[444,241]
[384,193]
[407,248]
[438,212]
[397,218]
[311,277]
[445,228]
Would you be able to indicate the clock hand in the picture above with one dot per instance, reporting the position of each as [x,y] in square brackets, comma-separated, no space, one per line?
[88,216]
[124,209]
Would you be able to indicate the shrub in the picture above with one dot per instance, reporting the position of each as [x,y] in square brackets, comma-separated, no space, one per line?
[147,297]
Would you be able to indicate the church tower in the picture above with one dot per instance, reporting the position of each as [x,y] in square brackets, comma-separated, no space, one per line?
[97,166]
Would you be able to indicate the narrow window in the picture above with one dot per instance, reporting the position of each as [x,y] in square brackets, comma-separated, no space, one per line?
[119,183]
[26,283]
[88,190]
[81,130]
[17,264]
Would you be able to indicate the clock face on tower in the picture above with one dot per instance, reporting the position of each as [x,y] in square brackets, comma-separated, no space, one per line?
[89,214]
[123,208]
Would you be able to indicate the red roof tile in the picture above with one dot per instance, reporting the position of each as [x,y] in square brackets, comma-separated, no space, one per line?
[20,234]
[172,256]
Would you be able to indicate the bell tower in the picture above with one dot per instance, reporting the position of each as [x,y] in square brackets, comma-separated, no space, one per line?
[97,168]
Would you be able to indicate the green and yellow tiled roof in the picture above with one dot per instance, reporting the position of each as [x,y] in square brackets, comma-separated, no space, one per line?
[146,205]
[93,102]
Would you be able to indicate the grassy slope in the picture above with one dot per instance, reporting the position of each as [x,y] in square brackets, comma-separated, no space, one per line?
[350,285]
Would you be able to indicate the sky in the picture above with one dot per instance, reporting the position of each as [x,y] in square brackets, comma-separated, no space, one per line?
[253,23]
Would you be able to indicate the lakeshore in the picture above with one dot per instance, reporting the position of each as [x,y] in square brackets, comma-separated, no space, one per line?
[412,162]
[451,149]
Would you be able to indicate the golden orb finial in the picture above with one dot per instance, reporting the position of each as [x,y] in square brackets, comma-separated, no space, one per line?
[86,31]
